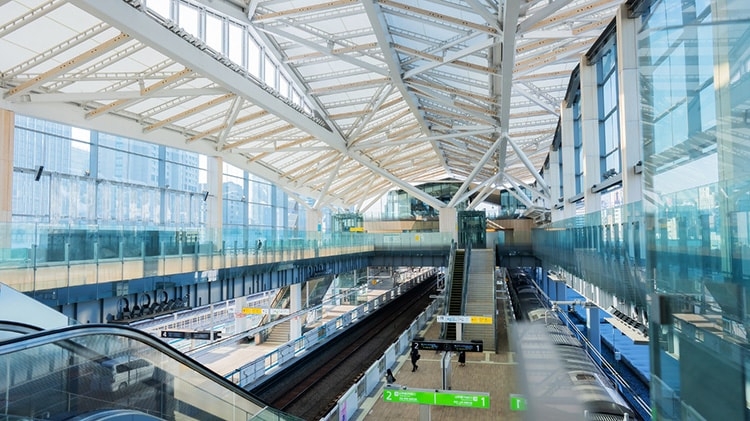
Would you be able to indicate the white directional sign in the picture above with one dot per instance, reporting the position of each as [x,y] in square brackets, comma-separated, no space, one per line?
[483,320]
[258,310]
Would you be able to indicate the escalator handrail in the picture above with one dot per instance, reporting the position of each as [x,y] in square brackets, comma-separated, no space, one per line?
[67,333]
[17,327]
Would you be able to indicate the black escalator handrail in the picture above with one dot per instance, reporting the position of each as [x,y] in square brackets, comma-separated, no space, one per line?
[65,334]
[17,327]
[465,286]
[448,285]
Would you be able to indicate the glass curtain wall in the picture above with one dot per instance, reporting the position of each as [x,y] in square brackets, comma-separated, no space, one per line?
[695,72]
[93,180]
[578,140]
[609,130]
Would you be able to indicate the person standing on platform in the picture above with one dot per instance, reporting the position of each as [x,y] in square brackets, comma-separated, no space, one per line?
[462,359]
[414,358]
[389,377]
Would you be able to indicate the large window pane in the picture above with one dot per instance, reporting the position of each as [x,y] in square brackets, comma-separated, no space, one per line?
[236,44]
[215,32]
[188,19]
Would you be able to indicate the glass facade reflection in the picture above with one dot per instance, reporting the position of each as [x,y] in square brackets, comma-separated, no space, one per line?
[677,257]
[95,178]
[695,57]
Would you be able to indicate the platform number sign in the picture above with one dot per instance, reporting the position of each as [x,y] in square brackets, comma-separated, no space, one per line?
[439,398]
[517,403]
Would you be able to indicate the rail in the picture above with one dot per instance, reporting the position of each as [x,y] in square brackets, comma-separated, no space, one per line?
[267,364]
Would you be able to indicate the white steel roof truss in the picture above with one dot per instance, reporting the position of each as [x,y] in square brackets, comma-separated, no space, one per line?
[162,67]
[435,18]
[468,96]
[92,70]
[76,40]
[85,97]
[180,97]
[379,25]
[375,104]
[306,170]
[171,44]
[302,12]
[451,102]
[30,16]
[364,205]
[329,181]
[175,79]
[481,190]
[63,67]
[489,16]
[229,121]
[326,51]
[449,137]
[346,58]
[335,75]
[518,193]
[453,56]
[181,115]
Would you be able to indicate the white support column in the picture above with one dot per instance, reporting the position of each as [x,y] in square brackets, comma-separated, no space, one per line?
[314,220]
[569,163]
[313,228]
[295,305]
[590,136]
[215,200]
[553,177]
[631,142]
[592,327]
[449,222]
[7,129]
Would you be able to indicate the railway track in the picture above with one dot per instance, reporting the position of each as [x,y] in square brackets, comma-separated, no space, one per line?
[311,387]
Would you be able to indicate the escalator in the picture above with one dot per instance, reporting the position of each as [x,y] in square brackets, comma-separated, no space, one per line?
[97,372]
[455,302]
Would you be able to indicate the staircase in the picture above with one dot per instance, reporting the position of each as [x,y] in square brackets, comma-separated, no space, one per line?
[480,297]
[279,333]
[457,289]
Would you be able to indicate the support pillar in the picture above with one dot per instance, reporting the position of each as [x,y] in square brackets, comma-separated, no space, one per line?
[560,288]
[592,327]
[7,127]
[545,282]
[592,173]
[568,163]
[295,305]
[631,141]
[445,365]
[314,221]
[214,201]
[424,413]
[314,229]
[449,222]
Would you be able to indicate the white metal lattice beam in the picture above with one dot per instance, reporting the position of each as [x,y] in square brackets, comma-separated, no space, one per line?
[158,37]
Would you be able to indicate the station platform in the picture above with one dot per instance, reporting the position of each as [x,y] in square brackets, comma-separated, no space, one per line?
[484,372]
[635,355]
[224,359]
